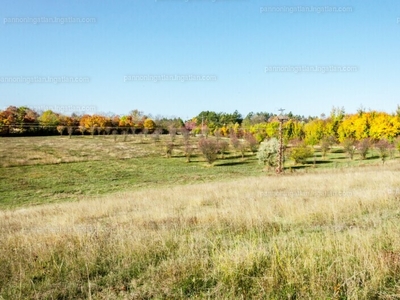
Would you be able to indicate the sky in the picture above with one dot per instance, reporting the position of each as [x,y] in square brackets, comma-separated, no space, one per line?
[176,58]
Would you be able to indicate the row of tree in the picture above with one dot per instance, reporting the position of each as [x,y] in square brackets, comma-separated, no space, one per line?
[338,126]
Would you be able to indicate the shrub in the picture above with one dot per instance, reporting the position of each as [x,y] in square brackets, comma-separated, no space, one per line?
[300,153]
[209,148]
[349,146]
[363,147]
[267,152]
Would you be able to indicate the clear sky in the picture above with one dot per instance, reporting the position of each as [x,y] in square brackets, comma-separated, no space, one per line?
[247,55]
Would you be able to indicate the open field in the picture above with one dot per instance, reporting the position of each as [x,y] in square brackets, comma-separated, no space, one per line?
[54,169]
[144,227]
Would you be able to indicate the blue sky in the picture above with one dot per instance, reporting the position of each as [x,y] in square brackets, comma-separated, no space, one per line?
[232,40]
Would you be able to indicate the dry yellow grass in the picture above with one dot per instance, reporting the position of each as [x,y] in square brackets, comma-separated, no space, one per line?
[328,235]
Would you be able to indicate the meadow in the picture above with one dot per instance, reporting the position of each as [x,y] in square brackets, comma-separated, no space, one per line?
[90,218]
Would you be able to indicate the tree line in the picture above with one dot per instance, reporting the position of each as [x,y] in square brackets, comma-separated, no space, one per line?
[338,126]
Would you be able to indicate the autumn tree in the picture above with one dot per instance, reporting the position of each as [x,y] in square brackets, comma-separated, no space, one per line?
[149,125]
[49,120]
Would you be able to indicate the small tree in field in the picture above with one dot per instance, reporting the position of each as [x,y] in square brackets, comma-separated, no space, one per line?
[217,134]
[383,149]
[169,147]
[60,129]
[188,149]
[125,135]
[223,147]
[99,130]
[114,133]
[172,133]
[82,129]
[92,130]
[235,141]
[185,134]
[326,144]
[145,132]
[300,152]
[107,130]
[267,152]
[251,142]
[70,130]
[349,146]
[363,147]
[209,148]
[397,142]
[242,148]
[156,136]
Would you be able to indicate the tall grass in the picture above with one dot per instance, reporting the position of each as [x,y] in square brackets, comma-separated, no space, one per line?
[331,235]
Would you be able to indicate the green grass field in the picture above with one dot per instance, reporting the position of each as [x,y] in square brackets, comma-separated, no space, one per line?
[90,218]
[39,170]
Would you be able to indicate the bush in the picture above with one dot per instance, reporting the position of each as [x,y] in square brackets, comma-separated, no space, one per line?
[209,148]
[267,152]
[300,153]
